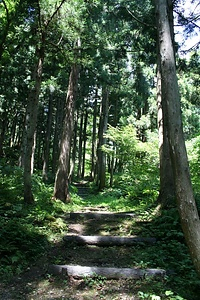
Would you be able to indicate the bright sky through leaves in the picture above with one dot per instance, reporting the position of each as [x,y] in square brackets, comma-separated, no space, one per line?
[188,35]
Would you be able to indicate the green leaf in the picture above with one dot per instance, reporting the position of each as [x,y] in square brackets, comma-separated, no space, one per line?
[15,258]
[169,293]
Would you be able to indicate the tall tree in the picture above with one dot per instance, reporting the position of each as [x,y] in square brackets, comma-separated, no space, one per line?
[166,195]
[48,135]
[94,138]
[10,14]
[32,106]
[80,146]
[61,186]
[102,139]
[31,121]
[170,93]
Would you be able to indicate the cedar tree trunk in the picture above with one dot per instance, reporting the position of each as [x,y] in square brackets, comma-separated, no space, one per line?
[47,138]
[184,193]
[61,186]
[167,187]
[102,140]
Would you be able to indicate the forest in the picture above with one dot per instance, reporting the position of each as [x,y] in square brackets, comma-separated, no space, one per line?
[100,114]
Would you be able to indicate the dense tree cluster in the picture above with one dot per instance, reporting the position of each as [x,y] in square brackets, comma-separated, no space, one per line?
[79,95]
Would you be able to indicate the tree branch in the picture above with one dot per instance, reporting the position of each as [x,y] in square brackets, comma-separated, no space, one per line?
[136,19]
[195,46]
[54,13]
[39,15]
[189,19]
[6,8]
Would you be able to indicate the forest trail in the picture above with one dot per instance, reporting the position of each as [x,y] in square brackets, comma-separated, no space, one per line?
[62,273]
[93,233]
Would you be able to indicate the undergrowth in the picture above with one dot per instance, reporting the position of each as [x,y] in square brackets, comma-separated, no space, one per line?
[26,231]
[29,231]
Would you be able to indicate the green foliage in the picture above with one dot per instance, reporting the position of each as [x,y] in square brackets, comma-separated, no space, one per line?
[181,277]
[125,141]
[169,295]
[136,171]
[193,148]
[95,280]
[11,188]
[19,243]
[26,231]
[189,89]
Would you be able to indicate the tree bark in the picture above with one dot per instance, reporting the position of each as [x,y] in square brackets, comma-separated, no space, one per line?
[39,139]
[184,193]
[94,139]
[166,195]
[61,186]
[80,147]
[84,142]
[74,148]
[3,127]
[47,138]
[57,133]
[102,140]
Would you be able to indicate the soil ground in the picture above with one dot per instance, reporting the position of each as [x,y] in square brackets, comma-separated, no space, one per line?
[36,283]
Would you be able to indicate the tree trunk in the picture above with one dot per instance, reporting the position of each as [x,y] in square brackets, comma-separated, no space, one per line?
[94,138]
[80,147]
[13,131]
[113,155]
[170,94]
[167,187]
[57,133]
[30,130]
[102,140]
[40,140]
[61,186]
[47,138]
[84,142]
[3,127]
[74,148]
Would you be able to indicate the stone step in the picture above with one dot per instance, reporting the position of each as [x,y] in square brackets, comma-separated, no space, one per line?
[109,273]
[100,215]
[107,241]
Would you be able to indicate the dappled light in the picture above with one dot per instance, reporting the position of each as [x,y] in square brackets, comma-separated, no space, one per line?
[56,220]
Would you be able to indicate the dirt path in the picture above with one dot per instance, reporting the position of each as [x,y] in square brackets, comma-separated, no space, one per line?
[36,283]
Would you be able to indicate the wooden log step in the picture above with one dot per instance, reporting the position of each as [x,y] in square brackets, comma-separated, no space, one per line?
[107,240]
[109,273]
[100,215]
